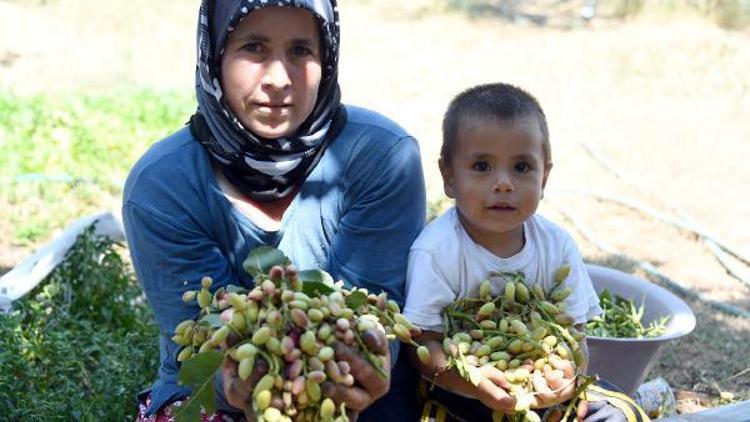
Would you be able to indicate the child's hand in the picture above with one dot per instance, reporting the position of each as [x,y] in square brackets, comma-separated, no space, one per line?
[492,390]
[555,386]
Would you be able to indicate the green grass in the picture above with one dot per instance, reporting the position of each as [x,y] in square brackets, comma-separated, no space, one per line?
[85,136]
[81,344]
[67,156]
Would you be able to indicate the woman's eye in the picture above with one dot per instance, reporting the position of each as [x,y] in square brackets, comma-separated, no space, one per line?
[301,50]
[481,166]
[253,47]
[522,167]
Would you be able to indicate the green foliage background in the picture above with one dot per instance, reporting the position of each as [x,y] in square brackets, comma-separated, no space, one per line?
[67,155]
[81,344]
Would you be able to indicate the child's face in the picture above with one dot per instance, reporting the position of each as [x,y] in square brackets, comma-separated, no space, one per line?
[496,175]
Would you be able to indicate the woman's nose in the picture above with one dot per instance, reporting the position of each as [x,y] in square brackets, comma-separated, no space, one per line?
[277,75]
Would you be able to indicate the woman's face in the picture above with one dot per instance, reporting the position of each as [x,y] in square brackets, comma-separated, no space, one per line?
[271,70]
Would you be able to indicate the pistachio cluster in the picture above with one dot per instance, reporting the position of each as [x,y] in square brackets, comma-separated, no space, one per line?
[523,332]
[293,328]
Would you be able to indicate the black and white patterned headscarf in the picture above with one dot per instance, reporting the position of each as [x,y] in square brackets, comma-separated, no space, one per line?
[263,169]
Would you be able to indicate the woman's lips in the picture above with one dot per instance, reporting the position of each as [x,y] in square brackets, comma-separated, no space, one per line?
[272,107]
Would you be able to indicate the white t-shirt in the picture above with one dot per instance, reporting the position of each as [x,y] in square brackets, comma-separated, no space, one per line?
[445,264]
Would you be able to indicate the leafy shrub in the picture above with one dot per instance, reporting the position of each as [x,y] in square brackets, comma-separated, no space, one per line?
[733,14]
[81,344]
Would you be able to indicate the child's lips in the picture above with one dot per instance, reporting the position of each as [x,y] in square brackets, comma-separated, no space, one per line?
[502,207]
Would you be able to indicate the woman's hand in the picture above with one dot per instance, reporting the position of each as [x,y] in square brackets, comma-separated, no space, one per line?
[370,385]
[237,391]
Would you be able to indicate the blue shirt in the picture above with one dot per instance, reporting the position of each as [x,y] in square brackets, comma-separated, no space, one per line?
[355,216]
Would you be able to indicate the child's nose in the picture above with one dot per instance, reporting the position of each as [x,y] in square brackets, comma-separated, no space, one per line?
[503,184]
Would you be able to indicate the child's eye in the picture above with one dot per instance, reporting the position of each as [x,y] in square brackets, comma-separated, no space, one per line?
[522,167]
[481,166]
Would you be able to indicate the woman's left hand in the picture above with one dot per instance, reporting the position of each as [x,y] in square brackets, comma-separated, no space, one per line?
[370,385]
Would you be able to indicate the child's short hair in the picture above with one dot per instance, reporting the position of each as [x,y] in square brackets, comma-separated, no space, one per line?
[502,102]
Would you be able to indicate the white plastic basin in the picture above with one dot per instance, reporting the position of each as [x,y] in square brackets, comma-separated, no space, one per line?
[625,362]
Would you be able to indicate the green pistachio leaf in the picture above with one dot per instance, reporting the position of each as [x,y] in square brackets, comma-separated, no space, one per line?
[198,373]
[261,259]
[314,288]
[356,299]
[211,320]
[236,289]
[316,282]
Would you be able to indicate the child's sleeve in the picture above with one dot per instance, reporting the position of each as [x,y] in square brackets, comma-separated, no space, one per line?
[428,291]
[583,302]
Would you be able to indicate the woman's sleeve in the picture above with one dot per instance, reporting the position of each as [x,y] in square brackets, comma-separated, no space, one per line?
[384,216]
[170,258]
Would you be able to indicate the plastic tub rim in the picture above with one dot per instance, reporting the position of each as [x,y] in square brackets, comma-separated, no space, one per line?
[682,313]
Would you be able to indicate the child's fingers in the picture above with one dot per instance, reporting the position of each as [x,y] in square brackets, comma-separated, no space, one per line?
[582,409]
[547,396]
[567,390]
[564,365]
[554,377]
[495,375]
[496,398]
[542,389]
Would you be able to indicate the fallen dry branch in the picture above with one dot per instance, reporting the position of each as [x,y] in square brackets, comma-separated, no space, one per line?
[711,244]
[648,268]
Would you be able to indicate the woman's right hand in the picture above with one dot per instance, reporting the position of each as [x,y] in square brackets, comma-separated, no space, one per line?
[370,385]
[238,392]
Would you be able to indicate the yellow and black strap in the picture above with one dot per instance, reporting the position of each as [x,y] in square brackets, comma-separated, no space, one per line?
[631,410]
[434,412]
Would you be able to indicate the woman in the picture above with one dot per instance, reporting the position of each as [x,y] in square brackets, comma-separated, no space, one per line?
[271,157]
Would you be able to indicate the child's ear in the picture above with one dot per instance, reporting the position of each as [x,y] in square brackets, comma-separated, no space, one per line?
[447,172]
[547,168]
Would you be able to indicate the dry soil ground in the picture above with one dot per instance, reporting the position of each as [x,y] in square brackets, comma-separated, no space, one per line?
[664,99]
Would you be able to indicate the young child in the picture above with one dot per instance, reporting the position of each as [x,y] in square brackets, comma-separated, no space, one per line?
[495,161]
